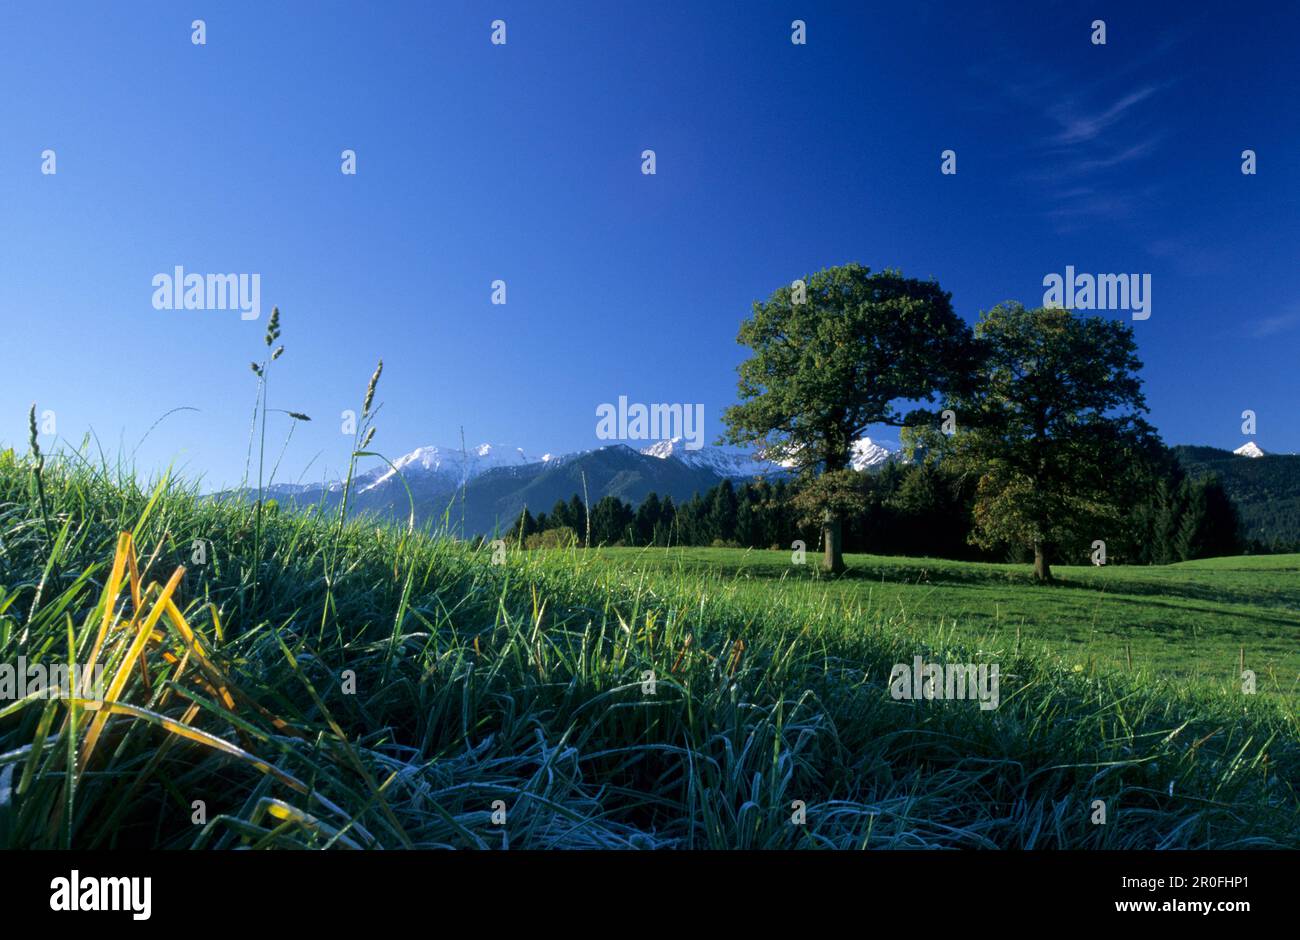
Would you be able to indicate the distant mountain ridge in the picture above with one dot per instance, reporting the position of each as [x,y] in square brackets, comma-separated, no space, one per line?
[484,489]
[494,501]
[456,466]
[735,464]
[1265,488]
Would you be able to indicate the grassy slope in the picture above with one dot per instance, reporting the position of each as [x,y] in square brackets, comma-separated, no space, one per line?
[1185,623]
[522,683]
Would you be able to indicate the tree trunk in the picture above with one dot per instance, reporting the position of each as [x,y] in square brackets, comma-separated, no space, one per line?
[1042,563]
[833,555]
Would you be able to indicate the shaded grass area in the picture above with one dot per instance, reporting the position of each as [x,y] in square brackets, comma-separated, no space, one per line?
[1185,623]
[596,700]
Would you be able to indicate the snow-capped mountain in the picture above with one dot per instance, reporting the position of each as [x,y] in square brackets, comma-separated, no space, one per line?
[868,453]
[725,462]
[1250,449]
[738,464]
[453,465]
[482,488]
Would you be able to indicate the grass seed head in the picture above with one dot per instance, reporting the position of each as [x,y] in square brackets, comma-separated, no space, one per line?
[273,327]
[31,424]
[370,389]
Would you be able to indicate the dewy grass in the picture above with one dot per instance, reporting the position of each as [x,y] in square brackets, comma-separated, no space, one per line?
[565,699]
[1188,623]
[362,435]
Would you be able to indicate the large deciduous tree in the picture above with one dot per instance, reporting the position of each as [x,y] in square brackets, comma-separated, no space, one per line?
[1050,428]
[833,354]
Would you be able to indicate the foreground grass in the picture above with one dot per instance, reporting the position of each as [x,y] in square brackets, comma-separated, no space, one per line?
[426,689]
[1190,623]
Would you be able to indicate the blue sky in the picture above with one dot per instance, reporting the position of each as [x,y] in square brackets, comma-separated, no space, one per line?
[522,162]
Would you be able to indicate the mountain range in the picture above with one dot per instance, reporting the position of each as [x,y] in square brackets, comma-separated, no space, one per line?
[484,489]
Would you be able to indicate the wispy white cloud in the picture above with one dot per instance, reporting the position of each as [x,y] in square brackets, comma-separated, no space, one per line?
[1089,129]
[1272,326]
[1127,155]
[1077,128]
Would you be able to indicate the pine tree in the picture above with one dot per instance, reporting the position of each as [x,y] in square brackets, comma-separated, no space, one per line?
[747,533]
[666,528]
[647,519]
[612,520]
[577,514]
[560,516]
[722,512]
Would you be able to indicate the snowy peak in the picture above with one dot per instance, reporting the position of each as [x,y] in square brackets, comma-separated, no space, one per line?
[664,449]
[737,464]
[422,458]
[725,462]
[487,456]
[455,465]
[867,453]
[1249,449]
[452,467]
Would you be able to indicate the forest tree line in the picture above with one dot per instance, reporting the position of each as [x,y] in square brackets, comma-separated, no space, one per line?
[918,509]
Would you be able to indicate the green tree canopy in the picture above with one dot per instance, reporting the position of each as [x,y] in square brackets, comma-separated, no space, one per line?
[848,349]
[1050,428]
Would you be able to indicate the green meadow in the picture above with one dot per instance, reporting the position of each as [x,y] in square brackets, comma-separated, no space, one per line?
[1190,623]
[285,680]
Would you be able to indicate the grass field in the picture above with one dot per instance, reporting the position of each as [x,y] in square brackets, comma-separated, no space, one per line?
[304,684]
[1185,623]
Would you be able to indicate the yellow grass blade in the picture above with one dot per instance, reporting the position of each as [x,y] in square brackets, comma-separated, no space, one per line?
[124,670]
[111,590]
[278,809]
[106,708]
[134,569]
[181,625]
[216,623]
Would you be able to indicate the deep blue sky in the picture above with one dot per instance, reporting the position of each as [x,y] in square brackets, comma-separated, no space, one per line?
[522,162]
